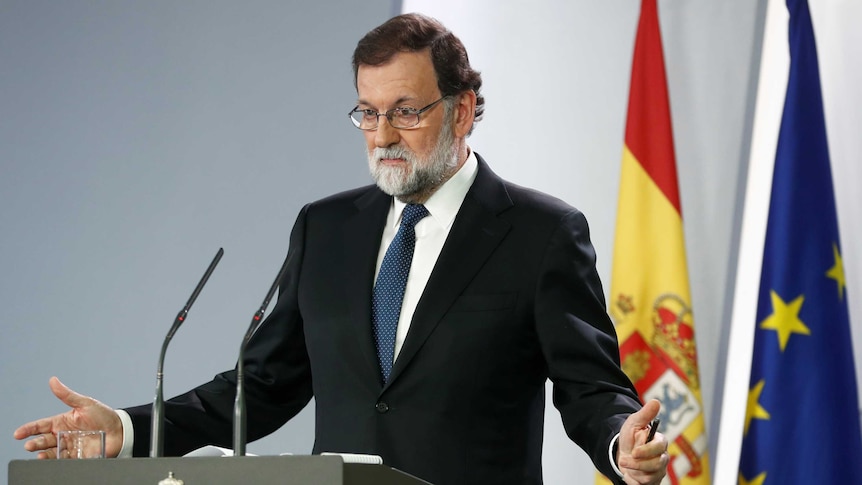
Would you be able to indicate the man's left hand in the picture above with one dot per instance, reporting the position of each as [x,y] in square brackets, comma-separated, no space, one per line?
[642,463]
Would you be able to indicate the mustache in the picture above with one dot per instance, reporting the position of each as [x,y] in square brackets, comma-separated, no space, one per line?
[392,152]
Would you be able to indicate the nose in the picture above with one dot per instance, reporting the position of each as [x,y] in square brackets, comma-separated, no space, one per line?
[385,135]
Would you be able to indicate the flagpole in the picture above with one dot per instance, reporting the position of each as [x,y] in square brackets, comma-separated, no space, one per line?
[771,87]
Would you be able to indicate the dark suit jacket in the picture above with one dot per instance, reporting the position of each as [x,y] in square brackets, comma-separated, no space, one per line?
[514,299]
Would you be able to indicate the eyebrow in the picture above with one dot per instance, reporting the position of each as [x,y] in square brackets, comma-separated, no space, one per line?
[397,103]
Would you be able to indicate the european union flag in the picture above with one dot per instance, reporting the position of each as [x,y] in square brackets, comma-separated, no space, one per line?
[802,418]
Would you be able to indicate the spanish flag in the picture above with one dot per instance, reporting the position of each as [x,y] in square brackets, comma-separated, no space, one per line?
[649,295]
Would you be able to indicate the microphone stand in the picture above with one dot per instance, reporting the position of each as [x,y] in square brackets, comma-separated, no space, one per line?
[239,411]
[157,439]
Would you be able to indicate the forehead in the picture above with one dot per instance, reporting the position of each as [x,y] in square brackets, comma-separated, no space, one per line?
[407,76]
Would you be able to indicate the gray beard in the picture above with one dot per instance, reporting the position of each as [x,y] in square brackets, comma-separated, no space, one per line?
[419,178]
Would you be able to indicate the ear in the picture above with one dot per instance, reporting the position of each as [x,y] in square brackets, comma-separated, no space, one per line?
[465,111]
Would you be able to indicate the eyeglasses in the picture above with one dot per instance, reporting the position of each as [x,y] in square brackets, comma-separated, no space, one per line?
[368,119]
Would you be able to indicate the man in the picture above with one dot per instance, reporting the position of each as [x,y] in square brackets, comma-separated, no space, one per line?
[425,313]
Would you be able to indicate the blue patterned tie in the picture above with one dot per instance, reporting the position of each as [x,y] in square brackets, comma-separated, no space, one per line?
[389,289]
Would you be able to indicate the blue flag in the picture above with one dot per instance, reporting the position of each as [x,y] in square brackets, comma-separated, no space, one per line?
[802,418]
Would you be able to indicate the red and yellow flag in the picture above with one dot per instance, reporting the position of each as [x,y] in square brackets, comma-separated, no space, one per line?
[649,298]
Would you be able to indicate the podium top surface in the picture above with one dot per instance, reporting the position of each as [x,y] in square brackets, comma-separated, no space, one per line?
[262,470]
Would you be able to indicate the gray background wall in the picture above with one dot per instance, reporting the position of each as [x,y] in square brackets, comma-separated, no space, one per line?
[136,138]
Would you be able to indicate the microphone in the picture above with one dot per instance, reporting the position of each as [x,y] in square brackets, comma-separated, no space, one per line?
[239,428]
[157,439]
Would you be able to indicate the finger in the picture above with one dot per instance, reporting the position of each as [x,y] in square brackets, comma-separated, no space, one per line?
[655,460]
[630,480]
[640,479]
[33,428]
[68,396]
[647,472]
[47,454]
[41,442]
[652,449]
[642,418]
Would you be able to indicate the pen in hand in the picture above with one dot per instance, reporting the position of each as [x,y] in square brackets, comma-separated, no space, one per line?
[653,427]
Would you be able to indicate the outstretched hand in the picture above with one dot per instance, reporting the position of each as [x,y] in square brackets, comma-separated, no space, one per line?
[86,413]
[640,462]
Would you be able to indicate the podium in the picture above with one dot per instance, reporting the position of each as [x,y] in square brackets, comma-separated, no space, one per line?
[258,470]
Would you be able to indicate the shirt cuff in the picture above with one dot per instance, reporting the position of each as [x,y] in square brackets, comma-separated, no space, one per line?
[611,456]
[128,434]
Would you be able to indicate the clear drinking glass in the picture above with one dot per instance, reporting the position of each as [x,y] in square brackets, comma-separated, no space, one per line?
[80,444]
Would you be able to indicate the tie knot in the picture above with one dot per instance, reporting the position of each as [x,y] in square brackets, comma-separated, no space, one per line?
[413,213]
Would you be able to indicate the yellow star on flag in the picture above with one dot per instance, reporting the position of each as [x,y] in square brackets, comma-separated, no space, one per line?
[753,410]
[837,272]
[758,480]
[785,319]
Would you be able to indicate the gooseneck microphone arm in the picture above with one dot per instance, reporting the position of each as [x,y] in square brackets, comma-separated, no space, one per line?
[157,439]
[239,423]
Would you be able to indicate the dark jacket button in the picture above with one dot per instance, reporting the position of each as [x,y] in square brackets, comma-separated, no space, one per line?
[382,407]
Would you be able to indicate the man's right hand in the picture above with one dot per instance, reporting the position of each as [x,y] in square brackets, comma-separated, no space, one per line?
[86,414]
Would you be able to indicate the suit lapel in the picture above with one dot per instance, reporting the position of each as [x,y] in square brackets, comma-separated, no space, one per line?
[361,236]
[476,232]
